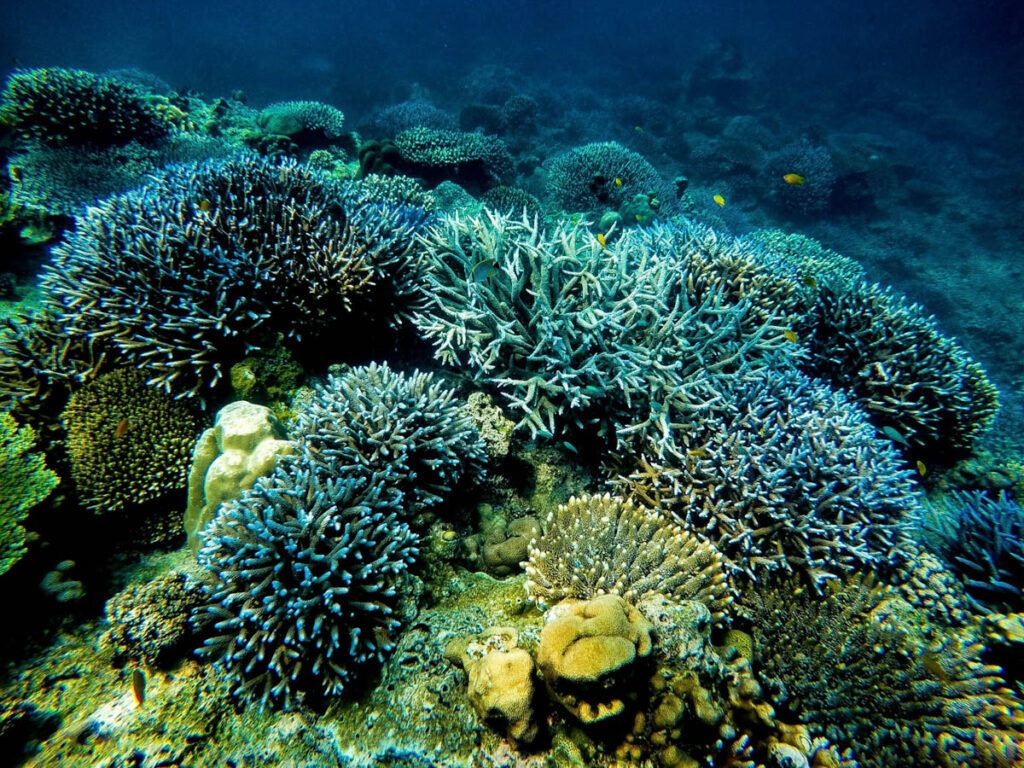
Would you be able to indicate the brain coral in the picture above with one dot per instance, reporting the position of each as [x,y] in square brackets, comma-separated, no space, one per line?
[409,429]
[127,442]
[306,573]
[181,276]
[903,371]
[603,175]
[867,672]
[69,106]
[601,545]
[780,471]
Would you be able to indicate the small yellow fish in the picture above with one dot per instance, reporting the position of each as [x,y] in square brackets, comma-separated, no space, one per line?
[601,239]
[934,666]
[139,686]
[921,468]
[14,171]
[719,199]
[810,282]
[790,335]
[794,178]
[698,453]
[639,219]
[205,205]
[618,182]
[638,128]
[121,428]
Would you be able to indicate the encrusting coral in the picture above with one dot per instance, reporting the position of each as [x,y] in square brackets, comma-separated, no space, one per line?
[127,442]
[599,545]
[24,482]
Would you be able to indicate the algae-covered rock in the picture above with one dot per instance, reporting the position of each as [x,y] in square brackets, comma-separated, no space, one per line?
[242,445]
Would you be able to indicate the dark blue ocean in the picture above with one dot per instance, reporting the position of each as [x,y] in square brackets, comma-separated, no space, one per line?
[317,451]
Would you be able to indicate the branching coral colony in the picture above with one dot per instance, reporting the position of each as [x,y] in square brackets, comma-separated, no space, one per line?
[754,401]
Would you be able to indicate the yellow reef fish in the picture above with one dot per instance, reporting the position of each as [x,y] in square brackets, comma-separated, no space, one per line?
[121,428]
[790,335]
[205,205]
[810,282]
[14,172]
[921,468]
[794,178]
[483,270]
[638,128]
[618,182]
[139,686]
[601,239]
[719,199]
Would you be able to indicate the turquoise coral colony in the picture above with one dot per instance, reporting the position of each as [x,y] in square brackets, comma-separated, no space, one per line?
[559,479]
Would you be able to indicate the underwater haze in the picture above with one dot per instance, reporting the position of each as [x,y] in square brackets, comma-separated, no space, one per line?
[508,385]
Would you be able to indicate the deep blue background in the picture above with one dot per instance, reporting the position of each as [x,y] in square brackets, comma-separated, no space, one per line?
[360,54]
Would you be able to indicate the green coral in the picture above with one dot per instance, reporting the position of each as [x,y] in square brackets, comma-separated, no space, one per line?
[24,482]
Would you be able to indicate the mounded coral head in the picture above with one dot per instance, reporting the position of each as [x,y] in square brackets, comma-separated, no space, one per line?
[903,371]
[149,622]
[599,176]
[589,654]
[811,162]
[306,575]
[471,159]
[73,107]
[599,545]
[127,442]
[182,275]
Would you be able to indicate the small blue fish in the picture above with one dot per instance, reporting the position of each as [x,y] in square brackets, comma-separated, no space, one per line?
[482,270]
[895,436]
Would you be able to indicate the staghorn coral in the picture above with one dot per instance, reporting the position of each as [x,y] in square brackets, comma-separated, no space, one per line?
[472,159]
[780,472]
[24,482]
[127,442]
[407,429]
[306,571]
[181,276]
[579,337]
[599,545]
[862,669]
[292,118]
[584,178]
[72,107]
[395,190]
[904,372]
[980,538]
[149,623]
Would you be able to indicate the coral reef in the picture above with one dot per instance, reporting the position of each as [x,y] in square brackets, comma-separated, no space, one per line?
[406,115]
[242,445]
[600,545]
[511,200]
[814,263]
[781,472]
[306,577]
[72,107]
[181,276]
[981,540]
[24,482]
[294,118]
[149,622]
[127,442]
[811,162]
[590,654]
[861,668]
[471,159]
[904,372]
[579,336]
[408,430]
[601,176]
